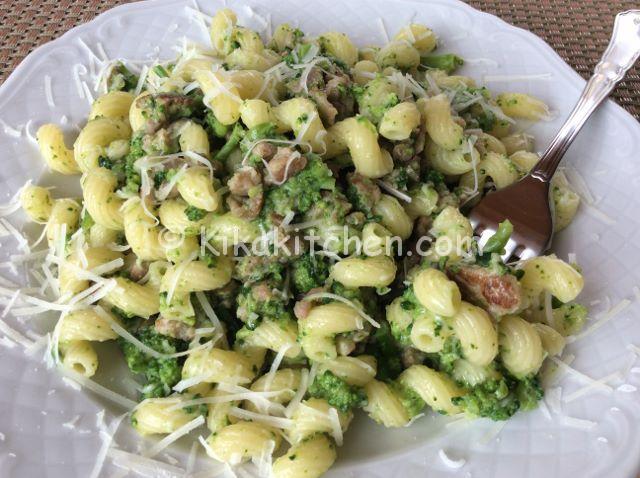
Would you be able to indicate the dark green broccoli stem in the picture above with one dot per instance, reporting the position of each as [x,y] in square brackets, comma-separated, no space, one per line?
[337,392]
[194,214]
[448,62]
[232,143]
[218,129]
[161,374]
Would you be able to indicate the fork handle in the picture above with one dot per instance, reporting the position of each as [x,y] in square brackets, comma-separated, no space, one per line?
[620,55]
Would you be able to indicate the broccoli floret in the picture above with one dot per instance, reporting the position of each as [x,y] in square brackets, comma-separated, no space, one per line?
[161,374]
[570,318]
[376,98]
[251,269]
[529,392]
[337,392]
[131,175]
[491,399]
[448,62]
[310,271]
[300,193]
[194,214]
[451,351]
[385,348]
[258,301]
[501,399]
[121,79]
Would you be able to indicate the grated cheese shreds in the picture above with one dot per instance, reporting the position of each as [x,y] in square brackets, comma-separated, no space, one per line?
[241,394]
[588,388]
[383,29]
[144,466]
[107,438]
[276,422]
[305,382]
[453,464]
[339,298]
[104,392]
[578,423]
[174,436]
[336,428]
[275,365]
[621,306]
[14,335]
[393,191]
[579,375]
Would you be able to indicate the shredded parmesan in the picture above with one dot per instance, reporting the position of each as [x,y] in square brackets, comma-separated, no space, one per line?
[276,422]
[621,306]
[393,191]
[89,384]
[174,436]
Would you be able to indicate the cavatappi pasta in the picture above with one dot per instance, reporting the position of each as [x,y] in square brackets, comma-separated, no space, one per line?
[201,181]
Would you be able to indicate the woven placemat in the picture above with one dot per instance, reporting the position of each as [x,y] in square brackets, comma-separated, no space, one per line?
[577,29]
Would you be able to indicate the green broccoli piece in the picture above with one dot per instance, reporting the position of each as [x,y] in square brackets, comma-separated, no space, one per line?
[570,317]
[251,269]
[385,348]
[131,175]
[411,401]
[159,178]
[258,301]
[216,128]
[161,374]
[451,351]
[309,271]
[448,62]
[529,392]
[498,241]
[121,79]
[300,193]
[194,214]
[232,142]
[337,392]
[500,399]
[376,98]
[491,399]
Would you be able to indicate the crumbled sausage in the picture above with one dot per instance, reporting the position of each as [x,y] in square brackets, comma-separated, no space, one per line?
[499,294]
[175,328]
[284,164]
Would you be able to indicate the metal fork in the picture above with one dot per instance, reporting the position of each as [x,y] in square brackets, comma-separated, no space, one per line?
[526,204]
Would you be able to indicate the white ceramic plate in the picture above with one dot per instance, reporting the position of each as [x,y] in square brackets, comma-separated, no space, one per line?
[34,402]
